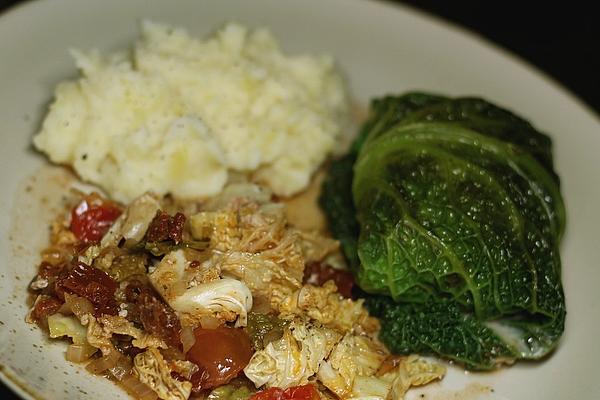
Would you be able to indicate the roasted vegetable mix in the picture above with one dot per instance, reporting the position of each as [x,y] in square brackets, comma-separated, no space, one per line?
[450,215]
[220,299]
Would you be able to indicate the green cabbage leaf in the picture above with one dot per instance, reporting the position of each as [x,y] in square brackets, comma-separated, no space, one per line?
[450,215]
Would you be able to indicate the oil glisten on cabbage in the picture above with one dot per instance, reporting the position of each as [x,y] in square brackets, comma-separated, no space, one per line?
[450,215]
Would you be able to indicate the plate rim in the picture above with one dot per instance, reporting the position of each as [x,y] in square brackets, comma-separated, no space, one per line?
[20,388]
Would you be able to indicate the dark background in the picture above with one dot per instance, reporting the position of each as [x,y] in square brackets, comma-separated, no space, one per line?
[562,40]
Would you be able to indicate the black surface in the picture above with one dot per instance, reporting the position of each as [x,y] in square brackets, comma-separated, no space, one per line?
[562,40]
[559,38]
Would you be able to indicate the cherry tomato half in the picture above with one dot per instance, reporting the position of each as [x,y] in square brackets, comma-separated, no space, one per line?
[92,217]
[220,353]
[304,392]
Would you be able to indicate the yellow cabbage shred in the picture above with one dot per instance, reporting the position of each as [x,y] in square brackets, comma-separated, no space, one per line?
[68,325]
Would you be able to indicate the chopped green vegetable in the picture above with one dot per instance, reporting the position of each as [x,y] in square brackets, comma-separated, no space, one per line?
[124,266]
[231,391]
[62,325]
[450,215]
[264,328]
[158,249]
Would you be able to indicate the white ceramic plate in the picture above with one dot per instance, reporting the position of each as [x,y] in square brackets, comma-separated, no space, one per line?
[382,49]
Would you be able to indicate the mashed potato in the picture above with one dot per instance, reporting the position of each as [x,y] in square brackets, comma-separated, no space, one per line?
[177,115]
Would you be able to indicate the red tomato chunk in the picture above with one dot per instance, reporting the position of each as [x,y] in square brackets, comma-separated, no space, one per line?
[221,354]
[92,218]
[304,392]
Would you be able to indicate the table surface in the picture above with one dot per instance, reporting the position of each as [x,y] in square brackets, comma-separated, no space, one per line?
[561,42]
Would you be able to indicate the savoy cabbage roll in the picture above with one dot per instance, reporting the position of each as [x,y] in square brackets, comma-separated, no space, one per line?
[450,215]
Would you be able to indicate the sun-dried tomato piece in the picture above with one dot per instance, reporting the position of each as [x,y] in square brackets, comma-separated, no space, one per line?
[154,314]
[164,227]
[45,306]
[47,270]
[318,273]
[92,217]
[93,284]
[159,319]
[133,290]
[158,230]
[176,228]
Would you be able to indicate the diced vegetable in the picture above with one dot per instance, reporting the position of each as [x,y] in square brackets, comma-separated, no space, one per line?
[293,359]
[158,249]
[138,389]
[220,354]
[79,352]
[62,325]
[106,362]
[231,392]
[151,368]
[370,387]
[92,217]
[264,326]
[187,338]
[304,392]
[65,325]
[122,265]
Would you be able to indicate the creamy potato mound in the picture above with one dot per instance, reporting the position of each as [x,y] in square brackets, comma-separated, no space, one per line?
[178,114]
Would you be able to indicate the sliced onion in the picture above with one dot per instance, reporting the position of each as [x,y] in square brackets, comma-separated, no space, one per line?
[79,352]
[78,305]
[122,369]
[187,338]
[271,336]
[261,305]
[65,309]
[389,364]
[178,288]
[54,255]
[138,389]
[172,354]
[209,322]
[103,363]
